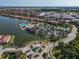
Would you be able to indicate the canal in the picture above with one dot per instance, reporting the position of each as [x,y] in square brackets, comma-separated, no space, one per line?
[9,26]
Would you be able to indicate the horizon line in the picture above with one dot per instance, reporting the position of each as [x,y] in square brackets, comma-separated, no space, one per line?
[39,6]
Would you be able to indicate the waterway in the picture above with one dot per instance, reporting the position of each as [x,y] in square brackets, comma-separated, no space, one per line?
[10,26]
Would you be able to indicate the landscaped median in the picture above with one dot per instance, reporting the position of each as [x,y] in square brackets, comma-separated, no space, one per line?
[12,39]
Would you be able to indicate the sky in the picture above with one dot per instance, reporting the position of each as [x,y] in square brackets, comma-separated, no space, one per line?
[39,2]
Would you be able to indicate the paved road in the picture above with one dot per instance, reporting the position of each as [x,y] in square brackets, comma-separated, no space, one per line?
[71,36]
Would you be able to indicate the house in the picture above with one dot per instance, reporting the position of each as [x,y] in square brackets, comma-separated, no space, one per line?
[4,39]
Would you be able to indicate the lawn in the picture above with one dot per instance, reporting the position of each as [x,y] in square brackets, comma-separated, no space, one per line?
[77,41]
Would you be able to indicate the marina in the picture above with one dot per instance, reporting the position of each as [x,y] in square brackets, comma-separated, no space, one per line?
[9,26]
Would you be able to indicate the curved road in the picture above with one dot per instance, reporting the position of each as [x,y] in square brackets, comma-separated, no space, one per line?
[71,36]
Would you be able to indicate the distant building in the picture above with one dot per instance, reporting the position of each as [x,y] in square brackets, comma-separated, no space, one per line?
[4,39]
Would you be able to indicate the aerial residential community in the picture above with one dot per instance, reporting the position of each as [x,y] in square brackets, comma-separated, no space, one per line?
[39,33]
[39,29]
